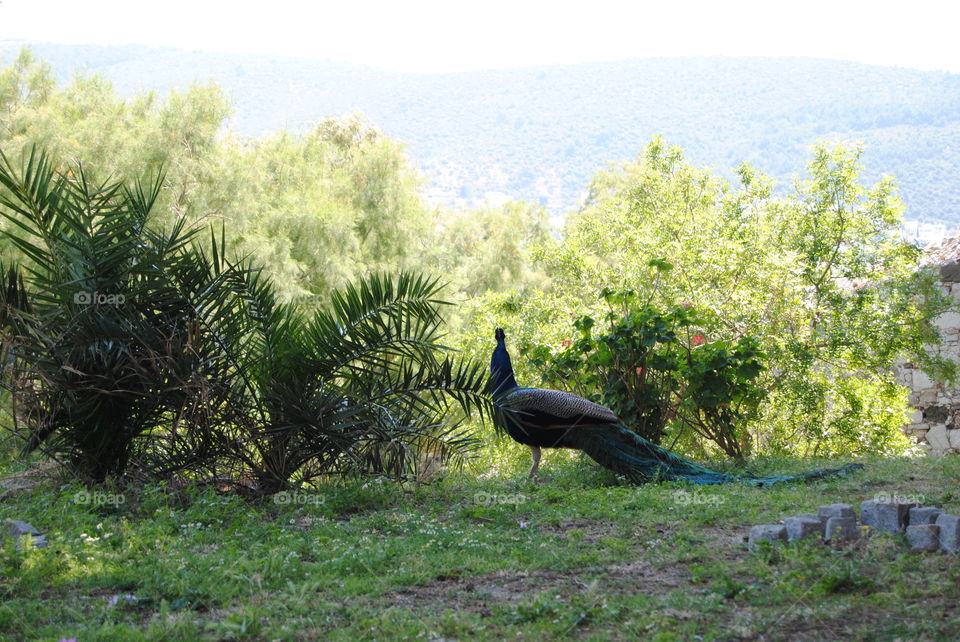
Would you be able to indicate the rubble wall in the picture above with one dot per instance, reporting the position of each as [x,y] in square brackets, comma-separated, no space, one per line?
[935,422]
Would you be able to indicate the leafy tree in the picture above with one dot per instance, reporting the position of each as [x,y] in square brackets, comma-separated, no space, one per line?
[820,278]
[320,210]
[87,121]
[317,210]
[721,392]
[631,367]
[489,249]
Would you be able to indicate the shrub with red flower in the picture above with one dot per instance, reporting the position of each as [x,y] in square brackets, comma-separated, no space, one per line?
[658,371]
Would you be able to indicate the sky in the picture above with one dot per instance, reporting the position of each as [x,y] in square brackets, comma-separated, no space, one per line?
[430,36]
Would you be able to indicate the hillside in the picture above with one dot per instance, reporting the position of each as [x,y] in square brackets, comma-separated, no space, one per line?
[540,133]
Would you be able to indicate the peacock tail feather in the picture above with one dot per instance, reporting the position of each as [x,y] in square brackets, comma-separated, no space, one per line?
[625,452]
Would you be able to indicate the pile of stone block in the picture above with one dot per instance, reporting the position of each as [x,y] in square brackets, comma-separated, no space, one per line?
[926,528]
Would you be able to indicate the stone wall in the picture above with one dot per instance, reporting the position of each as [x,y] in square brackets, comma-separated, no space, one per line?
[935,424]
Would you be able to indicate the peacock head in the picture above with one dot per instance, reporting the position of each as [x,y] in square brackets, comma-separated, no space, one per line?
[499,335]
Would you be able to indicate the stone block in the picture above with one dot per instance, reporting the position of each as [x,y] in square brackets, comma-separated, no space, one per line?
[953,436]
[919,515]
[915,429]
[916,417]
[949,526]
[841,528]
[950,272]
[815,516]
[16,529]
[923,537]
[947,320]
[888,517]
[803,526]
[937,437]
[921,381]
[766,533]
[837,510]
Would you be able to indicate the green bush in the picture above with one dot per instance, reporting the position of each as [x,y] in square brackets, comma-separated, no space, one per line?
[652,367]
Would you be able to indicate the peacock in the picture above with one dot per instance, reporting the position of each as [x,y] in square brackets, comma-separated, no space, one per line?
[542,418]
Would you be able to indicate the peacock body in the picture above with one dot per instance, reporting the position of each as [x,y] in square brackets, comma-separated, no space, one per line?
[542,418]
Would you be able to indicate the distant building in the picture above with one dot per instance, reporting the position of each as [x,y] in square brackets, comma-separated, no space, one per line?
[924,234]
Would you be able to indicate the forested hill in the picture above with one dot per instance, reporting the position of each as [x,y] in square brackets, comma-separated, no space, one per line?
[540,133]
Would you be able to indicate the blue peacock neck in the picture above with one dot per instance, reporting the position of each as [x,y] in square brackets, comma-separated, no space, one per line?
[501,369]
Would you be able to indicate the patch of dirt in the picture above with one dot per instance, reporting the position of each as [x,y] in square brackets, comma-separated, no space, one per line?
[477,593]
[728,541]
[586,531]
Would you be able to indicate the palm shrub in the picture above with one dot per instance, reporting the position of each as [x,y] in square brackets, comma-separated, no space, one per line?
[360,386]
[91,318]
[125,345]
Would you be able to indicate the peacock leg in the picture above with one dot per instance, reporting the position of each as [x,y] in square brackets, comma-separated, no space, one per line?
[535,454]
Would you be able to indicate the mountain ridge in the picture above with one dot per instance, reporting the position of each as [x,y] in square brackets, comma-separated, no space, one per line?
[540,133]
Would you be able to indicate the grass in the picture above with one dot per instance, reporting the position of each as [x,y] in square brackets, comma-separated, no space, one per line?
[473,556]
